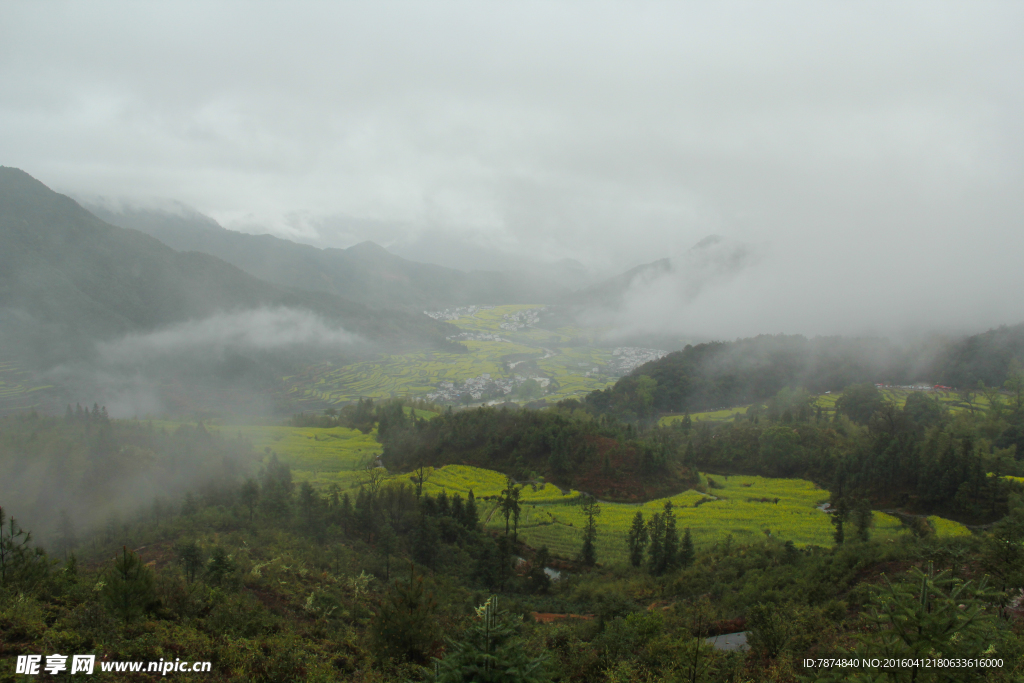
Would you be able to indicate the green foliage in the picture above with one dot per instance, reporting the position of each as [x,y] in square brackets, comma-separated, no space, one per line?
[1002,552]
[924,410]
[404,626]
[931,615]
[687,554]
[859,402]
[637,539]
[490,651]
[770,628]
[20,564]
[588,553]
[190,555]
[220,568]
[128,587]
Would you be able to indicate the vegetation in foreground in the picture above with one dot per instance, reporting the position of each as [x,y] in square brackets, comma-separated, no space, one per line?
[271,578]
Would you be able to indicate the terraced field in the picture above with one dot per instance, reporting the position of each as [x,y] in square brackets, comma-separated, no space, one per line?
[548,353]
[18,390]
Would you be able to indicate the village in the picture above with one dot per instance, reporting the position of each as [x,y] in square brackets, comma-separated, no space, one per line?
[456,313]
[626,359]
[520,319]
[482,388]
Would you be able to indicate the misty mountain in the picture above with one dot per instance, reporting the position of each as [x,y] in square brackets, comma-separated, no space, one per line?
[366,273]
[712,260]
[68,279]
[611,293]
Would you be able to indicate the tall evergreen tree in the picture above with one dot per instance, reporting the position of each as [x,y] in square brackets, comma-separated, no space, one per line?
[67,539]
[637,539]
[862,519]
[405,626]
[687,554]
[656,548]
[20,564]
[670,546]
[588,553]
[191,557]
[490,651]
[470,516]
[250,495]
[128,588]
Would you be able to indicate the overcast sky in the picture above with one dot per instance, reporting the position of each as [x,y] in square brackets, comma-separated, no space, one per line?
[848,140]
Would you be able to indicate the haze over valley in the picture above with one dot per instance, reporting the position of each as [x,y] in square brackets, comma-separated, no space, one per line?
[532,342]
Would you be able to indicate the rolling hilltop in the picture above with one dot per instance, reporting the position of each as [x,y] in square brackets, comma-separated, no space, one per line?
[67,277]
[366,273]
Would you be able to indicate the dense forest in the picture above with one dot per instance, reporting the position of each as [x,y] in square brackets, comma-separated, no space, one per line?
[716,374]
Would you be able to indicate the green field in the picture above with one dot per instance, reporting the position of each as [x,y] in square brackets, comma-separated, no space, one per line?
[706,416]
[417,374]
[743,507]
[952,400]
[18,391]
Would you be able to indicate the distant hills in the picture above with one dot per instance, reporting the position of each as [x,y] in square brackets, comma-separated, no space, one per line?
[68,278]
[365,273]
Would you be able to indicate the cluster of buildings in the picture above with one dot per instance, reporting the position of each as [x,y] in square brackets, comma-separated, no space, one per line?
[626,359]
[476,336]
[520,319]
[455,313]
[481,388]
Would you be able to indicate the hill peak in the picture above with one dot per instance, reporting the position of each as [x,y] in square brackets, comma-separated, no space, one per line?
[367,248]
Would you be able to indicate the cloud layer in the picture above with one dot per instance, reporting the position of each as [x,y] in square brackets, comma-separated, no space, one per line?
[876,141]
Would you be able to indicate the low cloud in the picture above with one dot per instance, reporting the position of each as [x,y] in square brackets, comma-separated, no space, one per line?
[229,362]
[264,329]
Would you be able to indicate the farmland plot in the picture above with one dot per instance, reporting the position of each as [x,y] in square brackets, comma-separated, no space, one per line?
[745,508]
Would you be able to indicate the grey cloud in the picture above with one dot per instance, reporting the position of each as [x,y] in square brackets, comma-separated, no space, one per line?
[613,133]
[262,329]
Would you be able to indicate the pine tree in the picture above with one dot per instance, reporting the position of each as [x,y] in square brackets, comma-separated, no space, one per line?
[405,626]
[862,519]
[670,546]
[67,539]
[637,539]
[220,567]
[443,507]
[387,544]
[250,495]
[19,563]
[839,515]
[128,587]
[588,553]
[655,550]
[490,651]
[458,514]
[191,557]
[686,553]
[470,517]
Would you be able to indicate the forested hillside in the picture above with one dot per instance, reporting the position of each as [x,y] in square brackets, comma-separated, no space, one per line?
[605,459]
[721,374]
